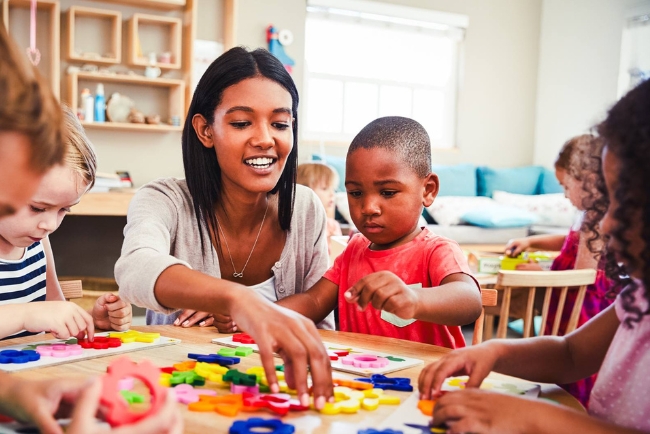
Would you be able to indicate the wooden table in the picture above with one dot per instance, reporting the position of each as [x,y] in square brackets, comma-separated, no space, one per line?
[197,340]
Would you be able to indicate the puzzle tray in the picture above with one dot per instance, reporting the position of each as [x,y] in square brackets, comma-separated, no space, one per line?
[393,366]
[87,353]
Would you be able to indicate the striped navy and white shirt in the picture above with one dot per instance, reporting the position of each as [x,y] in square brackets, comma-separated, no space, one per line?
[23,280]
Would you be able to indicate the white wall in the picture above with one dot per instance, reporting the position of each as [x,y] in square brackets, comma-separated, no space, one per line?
[496,109]
[578,68]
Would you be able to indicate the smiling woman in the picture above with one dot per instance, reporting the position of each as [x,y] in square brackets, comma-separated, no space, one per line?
[236,234]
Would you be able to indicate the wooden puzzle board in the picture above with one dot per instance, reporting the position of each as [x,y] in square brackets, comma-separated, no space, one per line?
[393,366]
[85,355]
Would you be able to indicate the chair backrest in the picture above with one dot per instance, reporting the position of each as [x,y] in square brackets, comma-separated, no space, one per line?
[71,289]
[528,281]
[488,298]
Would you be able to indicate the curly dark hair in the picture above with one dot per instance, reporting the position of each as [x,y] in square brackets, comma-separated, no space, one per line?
[626,132]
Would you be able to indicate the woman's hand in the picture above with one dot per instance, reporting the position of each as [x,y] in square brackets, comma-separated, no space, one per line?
[190,317]
[517,246]
[476,361]
[480,411]
[291,335]
[110,312]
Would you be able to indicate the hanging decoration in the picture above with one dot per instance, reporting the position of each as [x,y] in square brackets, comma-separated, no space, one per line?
[33,53]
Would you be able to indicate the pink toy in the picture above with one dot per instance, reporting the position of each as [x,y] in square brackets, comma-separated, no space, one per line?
[235,388]
[186,394]
[365,361]
[59,350]
[126,383]
[118,412]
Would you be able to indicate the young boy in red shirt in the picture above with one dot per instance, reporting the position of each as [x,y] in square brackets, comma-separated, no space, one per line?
[395,278]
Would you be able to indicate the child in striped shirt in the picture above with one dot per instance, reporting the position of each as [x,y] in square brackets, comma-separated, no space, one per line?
[27,272]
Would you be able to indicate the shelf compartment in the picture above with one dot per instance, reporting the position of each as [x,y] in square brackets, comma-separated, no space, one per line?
[96,24]
[16,19]
[165,5]
[162,96]
[145,35]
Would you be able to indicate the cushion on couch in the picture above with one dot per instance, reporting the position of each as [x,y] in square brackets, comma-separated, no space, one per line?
[548,183]
[337,163]
[519,180]
[458,180]
[552,209]
[499,216]
[448,210]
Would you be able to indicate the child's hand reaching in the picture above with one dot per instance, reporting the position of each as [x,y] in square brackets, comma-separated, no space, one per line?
[385,291]
[476,361]
[61,318]
[110,312]
[481,411]
[517,246]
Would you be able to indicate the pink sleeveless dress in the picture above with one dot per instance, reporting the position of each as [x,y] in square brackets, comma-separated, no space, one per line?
[596,300]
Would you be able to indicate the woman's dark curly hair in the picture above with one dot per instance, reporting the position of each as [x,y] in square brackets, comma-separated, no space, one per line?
[626,132]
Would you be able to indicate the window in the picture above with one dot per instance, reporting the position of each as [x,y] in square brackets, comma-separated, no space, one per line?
[364,60]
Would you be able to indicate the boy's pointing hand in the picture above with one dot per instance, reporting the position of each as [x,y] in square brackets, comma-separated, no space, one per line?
[384,291]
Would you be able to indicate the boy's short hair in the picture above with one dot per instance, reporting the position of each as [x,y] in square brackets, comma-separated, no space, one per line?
[27,106]
[316,174]
[398,134]
[80,154]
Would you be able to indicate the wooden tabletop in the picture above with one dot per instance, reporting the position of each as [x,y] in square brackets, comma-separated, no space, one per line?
[198,340]
[113,203]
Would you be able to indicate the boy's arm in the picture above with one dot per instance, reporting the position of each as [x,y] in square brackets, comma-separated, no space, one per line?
[316,303]
[53,289]
[457,301]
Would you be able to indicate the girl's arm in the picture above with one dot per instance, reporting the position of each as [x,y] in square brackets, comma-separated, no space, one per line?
[52,289]
[546,359]
[540,242]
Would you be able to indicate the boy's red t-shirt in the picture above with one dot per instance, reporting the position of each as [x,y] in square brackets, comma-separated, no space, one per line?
[427,259]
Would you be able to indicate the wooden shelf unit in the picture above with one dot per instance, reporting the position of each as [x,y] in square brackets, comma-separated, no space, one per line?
[176,98]
[54,36]
[164,5]
[115,39]
[139,56]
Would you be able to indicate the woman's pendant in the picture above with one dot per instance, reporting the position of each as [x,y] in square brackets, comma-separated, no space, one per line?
[236,274]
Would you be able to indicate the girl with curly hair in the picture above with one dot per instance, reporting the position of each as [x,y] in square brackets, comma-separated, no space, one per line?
[616,343]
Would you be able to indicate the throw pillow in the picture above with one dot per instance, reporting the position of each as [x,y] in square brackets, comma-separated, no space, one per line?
[548,183]
[520,180]
[552,209]
[458,180]
[448,210]
[499,216]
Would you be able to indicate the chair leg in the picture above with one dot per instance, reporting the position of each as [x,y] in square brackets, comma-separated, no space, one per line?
[477,338]
[503,314]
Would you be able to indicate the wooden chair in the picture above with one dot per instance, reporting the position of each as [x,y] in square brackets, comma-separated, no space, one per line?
[488,298]
[71,289]
[528,281]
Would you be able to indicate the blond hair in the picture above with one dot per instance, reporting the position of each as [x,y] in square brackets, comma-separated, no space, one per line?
[27,106]
[80,154]
[316,174]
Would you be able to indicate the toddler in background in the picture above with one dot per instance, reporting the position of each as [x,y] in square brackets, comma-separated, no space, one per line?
[394,278]
[27,272]
[323,179]
[578,168]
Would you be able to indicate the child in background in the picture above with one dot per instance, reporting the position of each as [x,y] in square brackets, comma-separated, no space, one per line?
[27,272]
[30,144]
[420,279]
[323,180]
[578,170]
[615,343]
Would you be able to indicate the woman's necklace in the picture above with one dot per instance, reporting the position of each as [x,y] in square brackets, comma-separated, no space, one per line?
[241,273]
